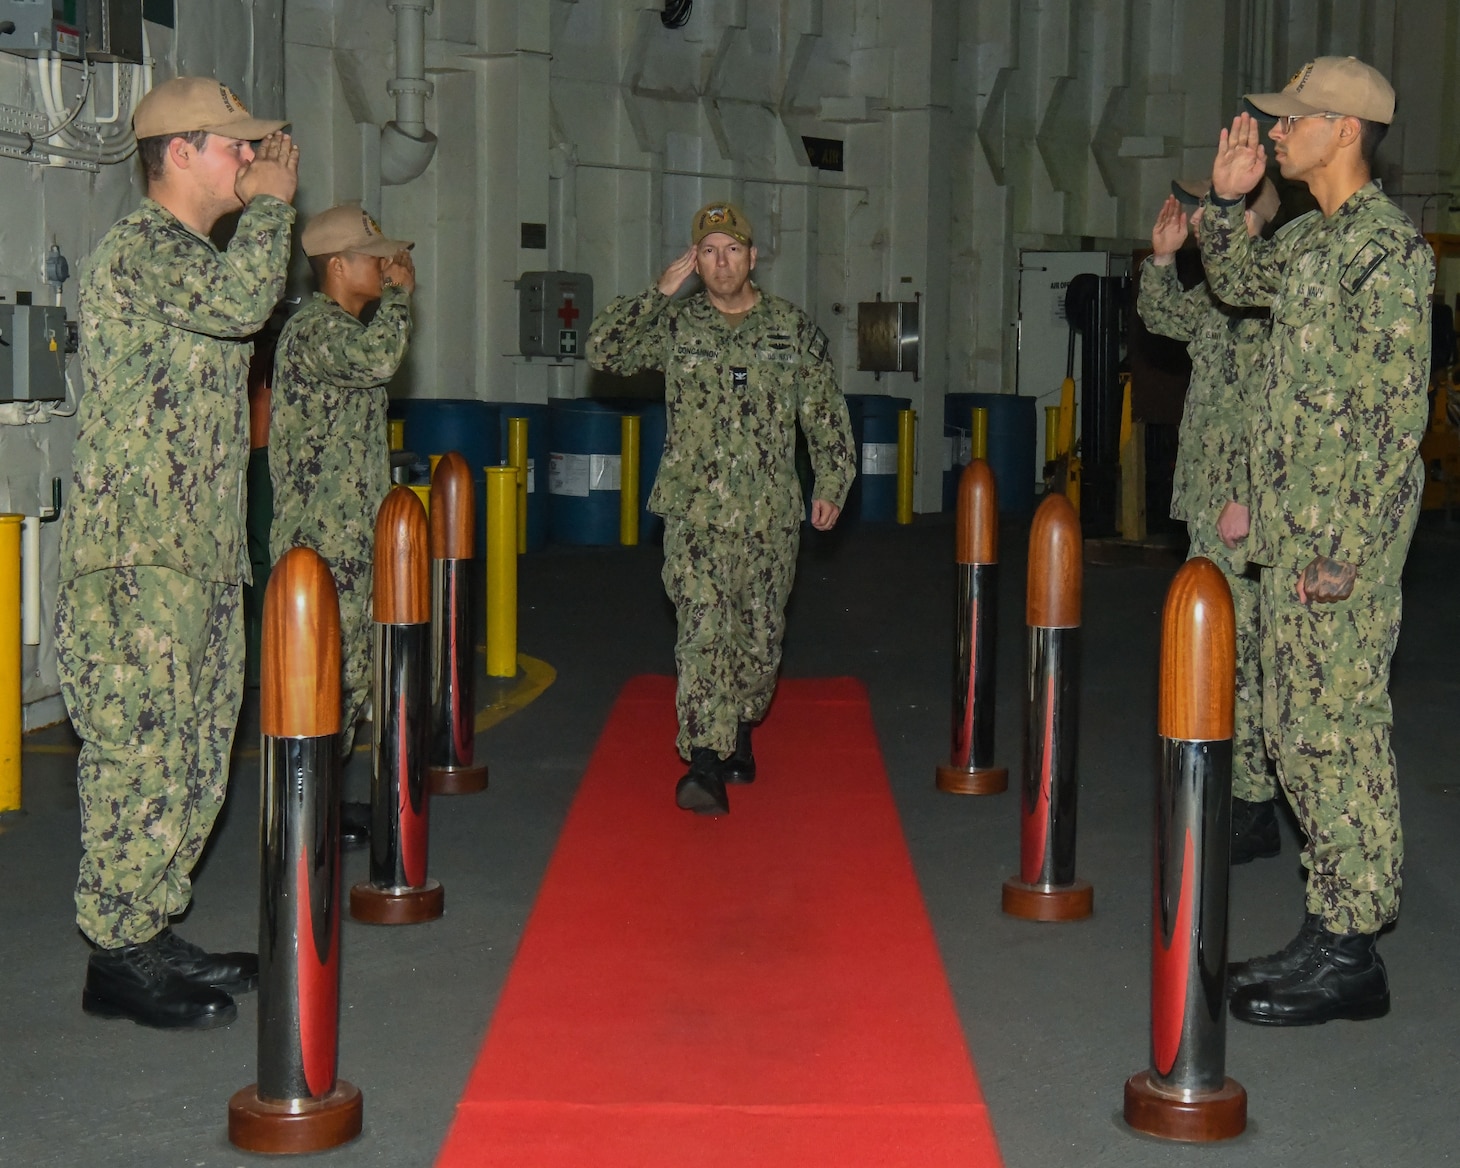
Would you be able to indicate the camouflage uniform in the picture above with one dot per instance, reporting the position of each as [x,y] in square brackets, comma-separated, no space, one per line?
[1228,347]
[1336,473]
[329,458]
[149,636]
[727,485]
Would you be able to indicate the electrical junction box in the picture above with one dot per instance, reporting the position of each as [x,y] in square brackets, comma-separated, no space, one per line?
[33,27]
[555,309]
[32,353]
[113,30]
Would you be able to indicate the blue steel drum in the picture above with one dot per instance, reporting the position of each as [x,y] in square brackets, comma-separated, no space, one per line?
[653,426]
[1012,437]
[539,445]
[466,425]
[583,495]
[873,496]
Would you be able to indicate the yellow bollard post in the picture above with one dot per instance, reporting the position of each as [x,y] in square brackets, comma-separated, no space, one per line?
[978,435]
[395,430]
[907,421]
[423,491]
[10,662]
[433,459]
[1051,433]
[628,481]
[517,457]
[501,571]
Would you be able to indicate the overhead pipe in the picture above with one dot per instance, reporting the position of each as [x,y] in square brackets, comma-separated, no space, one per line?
[406,146]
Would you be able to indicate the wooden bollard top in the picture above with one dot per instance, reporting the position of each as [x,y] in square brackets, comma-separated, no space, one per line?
[978,515]
[453,509]
[299,674]
[1056,566]
[402,591]
[1198,656]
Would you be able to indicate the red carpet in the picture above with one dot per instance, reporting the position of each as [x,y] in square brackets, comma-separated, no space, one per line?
[760,990]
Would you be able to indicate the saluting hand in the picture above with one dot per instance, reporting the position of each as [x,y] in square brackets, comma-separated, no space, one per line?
[273,171]
[1169,233]
[677,273]
[399,270]
[1241,159]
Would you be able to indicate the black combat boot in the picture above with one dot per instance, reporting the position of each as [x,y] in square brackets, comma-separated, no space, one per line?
[1343,977]
[1241,974]
[702,790]
[236,973]
[136,982]
[740,766]
[1254,830]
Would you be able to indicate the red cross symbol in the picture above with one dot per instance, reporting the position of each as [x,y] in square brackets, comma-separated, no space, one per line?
[568,313]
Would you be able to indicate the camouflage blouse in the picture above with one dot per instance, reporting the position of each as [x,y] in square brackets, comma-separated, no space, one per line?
[733,398]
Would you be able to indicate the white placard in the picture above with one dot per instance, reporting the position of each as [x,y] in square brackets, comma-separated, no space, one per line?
[603,474]
[568,474]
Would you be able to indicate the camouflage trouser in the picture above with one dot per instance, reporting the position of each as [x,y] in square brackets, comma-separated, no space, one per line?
[151,666]
[1327,716]
[357,644]
[730,593]
[1252,772]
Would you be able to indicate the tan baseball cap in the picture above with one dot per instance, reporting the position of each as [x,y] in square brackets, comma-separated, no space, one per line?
[348,227]
[722,218]
[1262,200]
[185,104]
[1332,85]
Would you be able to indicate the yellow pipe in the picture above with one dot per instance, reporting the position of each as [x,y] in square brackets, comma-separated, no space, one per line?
[517,457]
[10,662]
[395,430]
[628,481]
[434,459]
[423,493]
[978,433]
[1051,433]
[1127,424]
[501,571]
[907,421]
[1067,417]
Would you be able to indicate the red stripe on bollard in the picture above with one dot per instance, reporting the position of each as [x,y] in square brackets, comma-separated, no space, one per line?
[1171,968]
[319,989]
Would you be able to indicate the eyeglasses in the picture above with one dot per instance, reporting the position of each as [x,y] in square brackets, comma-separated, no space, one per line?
[1285,123]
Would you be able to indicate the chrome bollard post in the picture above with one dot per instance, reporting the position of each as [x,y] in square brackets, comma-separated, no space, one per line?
[453,768]
[399,891]
[1186,1095]
[298,1103]
[1046,888]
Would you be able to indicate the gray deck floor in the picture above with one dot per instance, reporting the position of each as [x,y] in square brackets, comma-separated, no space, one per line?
[1056,1016]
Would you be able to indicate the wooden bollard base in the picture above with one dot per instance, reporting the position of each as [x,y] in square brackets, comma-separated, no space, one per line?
[397,906]
[1202,1118]
[979,781]
[299,1125]
[464,780]
[1037,902]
